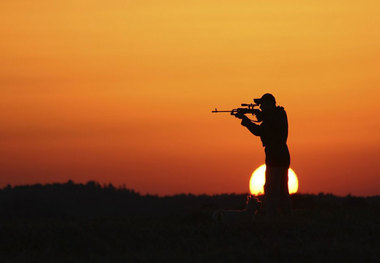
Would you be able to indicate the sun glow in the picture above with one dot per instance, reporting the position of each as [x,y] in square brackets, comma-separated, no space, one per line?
[257,181]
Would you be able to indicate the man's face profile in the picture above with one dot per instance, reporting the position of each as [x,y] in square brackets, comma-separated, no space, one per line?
[266,105]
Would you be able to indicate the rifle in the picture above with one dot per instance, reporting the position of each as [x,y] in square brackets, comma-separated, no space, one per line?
[249,108]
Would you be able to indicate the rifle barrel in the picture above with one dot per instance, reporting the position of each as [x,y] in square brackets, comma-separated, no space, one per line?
[216,111]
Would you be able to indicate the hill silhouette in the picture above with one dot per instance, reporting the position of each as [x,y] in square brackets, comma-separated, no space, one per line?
[69,222]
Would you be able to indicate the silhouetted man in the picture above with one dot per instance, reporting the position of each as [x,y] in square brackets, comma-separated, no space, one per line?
[273,132]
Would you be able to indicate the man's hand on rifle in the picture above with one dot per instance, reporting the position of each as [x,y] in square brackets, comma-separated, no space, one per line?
[244,119]
[239,115]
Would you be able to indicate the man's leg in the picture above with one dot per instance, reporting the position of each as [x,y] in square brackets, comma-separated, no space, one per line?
[272,190]
[285,202]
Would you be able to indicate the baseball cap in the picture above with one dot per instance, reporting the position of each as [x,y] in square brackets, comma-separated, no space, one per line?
[266,97]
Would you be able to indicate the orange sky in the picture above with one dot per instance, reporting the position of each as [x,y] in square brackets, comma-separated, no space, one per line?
[121,91]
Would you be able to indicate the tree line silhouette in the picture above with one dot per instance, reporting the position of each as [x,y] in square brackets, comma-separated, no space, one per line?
[93,199]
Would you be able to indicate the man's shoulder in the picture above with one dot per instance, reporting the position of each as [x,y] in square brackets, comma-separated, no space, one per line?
[276,115]
[280,115]
[280,110]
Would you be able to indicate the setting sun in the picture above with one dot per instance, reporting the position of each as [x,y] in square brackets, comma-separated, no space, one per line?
[257,181]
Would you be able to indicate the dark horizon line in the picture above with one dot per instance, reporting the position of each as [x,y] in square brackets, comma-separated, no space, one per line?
[105,186]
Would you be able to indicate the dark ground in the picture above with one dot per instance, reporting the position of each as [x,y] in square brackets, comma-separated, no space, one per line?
[89,223]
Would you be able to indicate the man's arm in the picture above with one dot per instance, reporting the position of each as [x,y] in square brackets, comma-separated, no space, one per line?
[252,127]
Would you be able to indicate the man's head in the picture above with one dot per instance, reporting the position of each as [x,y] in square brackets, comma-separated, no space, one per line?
[267,102]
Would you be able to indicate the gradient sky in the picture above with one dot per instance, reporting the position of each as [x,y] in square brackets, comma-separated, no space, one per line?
[121,92]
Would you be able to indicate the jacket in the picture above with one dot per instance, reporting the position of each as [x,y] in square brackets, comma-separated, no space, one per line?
[273,132]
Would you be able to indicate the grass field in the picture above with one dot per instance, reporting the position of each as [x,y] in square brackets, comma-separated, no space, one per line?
[324,228]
